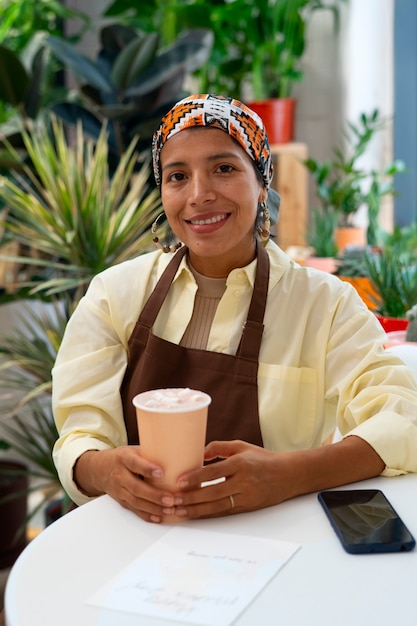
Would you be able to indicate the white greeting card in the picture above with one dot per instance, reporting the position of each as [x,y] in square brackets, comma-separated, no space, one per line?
[196,577]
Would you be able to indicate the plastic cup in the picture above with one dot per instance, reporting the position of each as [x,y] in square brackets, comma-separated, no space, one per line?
[172,430]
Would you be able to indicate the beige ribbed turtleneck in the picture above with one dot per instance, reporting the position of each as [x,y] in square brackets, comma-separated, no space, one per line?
[209,293]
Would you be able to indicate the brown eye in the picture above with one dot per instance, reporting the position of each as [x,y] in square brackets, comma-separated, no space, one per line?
[176,177]
[225,168]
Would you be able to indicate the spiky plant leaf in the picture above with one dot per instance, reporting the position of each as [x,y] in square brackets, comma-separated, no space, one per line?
[29,353]
[393,274]
[67,208]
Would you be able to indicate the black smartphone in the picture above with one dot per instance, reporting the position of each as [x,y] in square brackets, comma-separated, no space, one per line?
[365,521]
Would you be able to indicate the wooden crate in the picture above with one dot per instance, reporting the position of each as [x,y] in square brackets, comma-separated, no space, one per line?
[291,182]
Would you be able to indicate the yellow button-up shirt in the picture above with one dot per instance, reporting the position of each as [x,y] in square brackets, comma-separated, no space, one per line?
[322,362]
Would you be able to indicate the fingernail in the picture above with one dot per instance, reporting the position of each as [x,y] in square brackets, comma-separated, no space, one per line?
[168,501]
[155,518]
[178,500]
[181,512]
[168,511]
[182,484]
[157,473]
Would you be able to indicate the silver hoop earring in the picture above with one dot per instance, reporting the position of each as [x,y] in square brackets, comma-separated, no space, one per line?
[265,231]
[156,241]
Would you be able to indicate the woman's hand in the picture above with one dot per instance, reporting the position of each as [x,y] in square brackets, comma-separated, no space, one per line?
[253,478]
[123,473]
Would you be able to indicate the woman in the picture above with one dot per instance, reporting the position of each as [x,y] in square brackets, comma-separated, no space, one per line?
[287,353]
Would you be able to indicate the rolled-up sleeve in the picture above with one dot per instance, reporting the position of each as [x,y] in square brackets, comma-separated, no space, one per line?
[375,392]
[86,382]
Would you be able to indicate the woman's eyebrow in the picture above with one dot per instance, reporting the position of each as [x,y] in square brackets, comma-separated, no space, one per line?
[173,164]
[223,155]
[211,157]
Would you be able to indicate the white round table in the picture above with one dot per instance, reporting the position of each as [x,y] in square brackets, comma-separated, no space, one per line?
[320,586]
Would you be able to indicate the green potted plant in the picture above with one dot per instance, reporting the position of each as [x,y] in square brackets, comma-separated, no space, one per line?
[382,184]
[385,275]
[393,275]
[73,215]
[320,238]
[276,35]
[72,219]
[340,183]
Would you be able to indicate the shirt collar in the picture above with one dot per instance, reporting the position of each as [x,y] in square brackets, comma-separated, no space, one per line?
[279,262]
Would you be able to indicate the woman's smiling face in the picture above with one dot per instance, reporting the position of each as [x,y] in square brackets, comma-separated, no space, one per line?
[210,193]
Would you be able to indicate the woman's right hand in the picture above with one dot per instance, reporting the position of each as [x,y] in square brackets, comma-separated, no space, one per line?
[121,473]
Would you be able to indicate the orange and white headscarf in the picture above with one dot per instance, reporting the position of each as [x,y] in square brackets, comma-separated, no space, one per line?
[228,114]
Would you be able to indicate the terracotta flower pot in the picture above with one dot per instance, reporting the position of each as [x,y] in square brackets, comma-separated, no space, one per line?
[325,264]
[278,115]
[349,236]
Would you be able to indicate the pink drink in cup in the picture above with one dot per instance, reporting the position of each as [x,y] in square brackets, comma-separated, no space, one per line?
[172,430]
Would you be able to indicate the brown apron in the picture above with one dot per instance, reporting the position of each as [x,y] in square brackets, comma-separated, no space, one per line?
[230,380]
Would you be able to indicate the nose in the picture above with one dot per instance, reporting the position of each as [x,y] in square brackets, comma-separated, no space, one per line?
[201,189]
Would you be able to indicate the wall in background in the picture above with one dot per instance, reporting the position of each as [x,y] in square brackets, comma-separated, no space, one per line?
[93,8]
[346,73]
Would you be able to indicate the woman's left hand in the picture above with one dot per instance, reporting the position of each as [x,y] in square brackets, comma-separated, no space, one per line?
[250,478]
[253,478]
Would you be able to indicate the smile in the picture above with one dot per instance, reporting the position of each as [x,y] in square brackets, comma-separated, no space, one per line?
[211,220]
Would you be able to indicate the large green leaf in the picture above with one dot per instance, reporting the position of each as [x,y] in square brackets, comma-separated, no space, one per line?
[13,77]
[83,67]
[191,50]
[35,83]
[116,36]
[92,126]
[134,59]
[193,47]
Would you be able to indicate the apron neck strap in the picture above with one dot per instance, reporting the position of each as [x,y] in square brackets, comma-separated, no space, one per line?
[250,342]
[153,304]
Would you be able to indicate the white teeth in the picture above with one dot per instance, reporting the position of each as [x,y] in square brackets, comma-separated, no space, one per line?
[212,220]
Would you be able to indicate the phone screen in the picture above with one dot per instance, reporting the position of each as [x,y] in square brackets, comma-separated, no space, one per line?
[365,521]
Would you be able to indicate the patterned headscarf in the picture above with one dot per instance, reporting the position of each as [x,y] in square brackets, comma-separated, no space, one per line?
[228,114]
